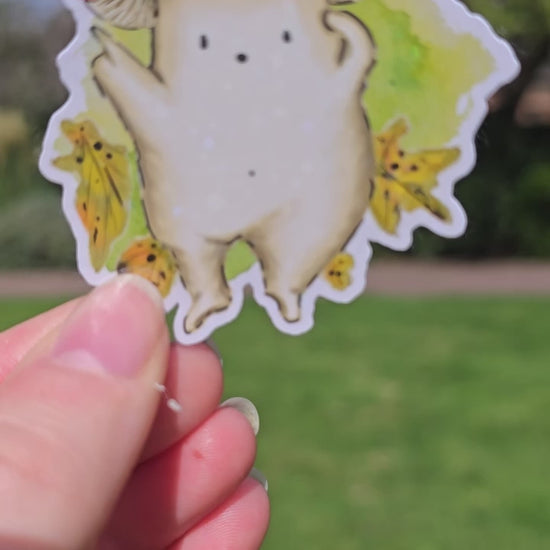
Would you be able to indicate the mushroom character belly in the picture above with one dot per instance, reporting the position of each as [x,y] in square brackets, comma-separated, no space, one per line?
[249,125]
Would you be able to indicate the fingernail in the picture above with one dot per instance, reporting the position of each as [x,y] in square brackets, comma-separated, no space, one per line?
[115,328]
[247,409]
[260,478]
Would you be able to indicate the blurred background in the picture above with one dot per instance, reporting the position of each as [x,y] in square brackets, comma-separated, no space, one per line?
[507,197]
[409,420]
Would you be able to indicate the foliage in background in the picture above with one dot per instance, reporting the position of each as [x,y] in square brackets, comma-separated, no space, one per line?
[28,79]
[515,19]
[507,197]
[33,232]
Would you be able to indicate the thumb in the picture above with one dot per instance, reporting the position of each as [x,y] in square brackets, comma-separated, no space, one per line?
[74,417]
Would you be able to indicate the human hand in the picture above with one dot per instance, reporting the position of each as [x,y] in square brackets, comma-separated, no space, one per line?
[88,458]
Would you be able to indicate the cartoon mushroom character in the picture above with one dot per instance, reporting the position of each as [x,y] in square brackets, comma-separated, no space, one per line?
[249,125]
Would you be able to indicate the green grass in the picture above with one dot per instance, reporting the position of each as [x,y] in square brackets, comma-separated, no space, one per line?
[398,424]
[13,311]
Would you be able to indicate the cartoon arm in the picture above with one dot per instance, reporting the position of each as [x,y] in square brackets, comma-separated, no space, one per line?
[126,14]
[359,50]
[136,91]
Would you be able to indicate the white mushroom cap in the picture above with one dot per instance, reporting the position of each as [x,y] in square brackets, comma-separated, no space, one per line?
[127,14]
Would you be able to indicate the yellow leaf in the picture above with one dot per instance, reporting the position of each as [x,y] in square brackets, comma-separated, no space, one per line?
[152,261]
[104,186]
[385,204]
[405,180]
[421,168]
[338,272]
[387,139]
[414,196]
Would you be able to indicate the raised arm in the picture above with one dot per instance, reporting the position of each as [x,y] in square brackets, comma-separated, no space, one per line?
[358,55]
[136,92]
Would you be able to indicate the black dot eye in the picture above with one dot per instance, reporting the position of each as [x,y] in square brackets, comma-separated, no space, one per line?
[287,37]
[204,42]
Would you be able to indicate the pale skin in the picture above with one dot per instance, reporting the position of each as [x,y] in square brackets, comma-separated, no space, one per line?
[91,457]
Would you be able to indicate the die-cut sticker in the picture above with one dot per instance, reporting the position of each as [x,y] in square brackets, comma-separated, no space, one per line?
[215,145]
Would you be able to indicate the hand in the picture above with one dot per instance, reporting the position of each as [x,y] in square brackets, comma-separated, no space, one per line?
[91,456]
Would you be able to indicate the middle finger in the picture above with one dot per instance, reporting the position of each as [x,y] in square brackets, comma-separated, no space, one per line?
[171,493]
[195,381]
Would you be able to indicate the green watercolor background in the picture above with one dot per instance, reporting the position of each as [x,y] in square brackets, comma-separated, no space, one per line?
[424,67]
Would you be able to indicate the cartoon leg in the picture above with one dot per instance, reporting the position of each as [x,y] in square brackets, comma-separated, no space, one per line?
[201,268]
[278,279]
[294,255]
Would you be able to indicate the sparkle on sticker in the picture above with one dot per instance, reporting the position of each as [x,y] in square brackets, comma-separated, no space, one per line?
[209,143]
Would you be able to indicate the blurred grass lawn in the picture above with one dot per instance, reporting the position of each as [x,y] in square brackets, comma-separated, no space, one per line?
[398,424]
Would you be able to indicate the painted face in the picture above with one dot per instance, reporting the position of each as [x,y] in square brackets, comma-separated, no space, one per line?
[252,40]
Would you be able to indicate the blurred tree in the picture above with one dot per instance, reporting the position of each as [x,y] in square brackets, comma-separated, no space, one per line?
[32,233]
[514,19]
[28,79]
[527,27]
[508,195]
